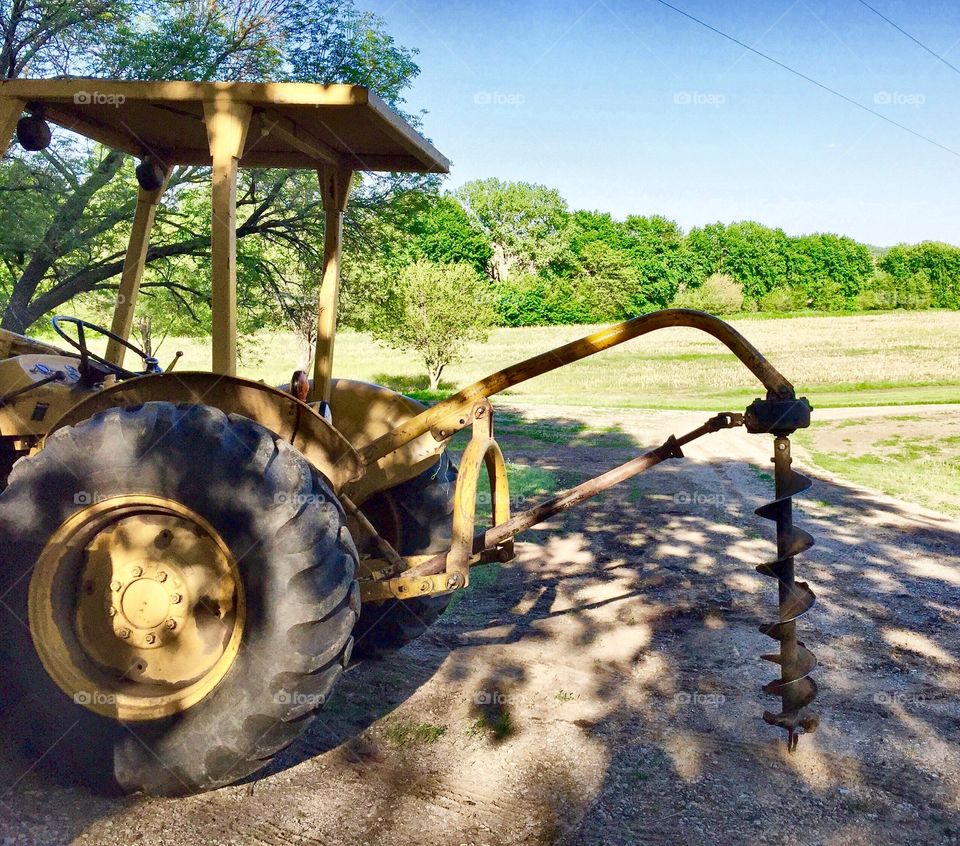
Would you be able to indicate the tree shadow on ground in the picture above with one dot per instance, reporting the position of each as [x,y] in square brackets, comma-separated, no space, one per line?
[605,687]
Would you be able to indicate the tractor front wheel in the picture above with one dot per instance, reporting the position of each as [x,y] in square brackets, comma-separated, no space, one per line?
[180,598]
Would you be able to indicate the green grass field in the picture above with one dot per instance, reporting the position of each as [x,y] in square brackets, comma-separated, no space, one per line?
[912,456]
[858,360]
[906,358]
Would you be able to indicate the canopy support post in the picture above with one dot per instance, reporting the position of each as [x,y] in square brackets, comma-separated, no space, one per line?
[227,123]
[10,111]
[335,189]
[133,265]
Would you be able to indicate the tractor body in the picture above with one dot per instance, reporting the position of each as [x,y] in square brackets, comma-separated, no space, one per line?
[191,558]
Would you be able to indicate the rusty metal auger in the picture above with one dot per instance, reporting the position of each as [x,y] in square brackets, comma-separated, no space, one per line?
[794,687]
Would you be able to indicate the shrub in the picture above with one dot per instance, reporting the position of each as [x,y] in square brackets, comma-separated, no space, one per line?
[782,300]
[940,263]
[828,295]
[532,300]
[719,294]
[885,291]
[916,291]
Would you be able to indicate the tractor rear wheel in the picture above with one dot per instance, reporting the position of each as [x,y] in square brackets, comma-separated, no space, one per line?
[416,517]
[180,591]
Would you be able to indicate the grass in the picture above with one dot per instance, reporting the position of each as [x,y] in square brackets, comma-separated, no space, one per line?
[906,456]
[872,359]
[865,359]
[482,576]
[402,733]
[498,725]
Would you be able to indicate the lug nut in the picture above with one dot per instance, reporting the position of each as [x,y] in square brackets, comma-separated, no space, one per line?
[150,638]
[111,612]
[137,571]
[124,633]
[161,576]
[115,586]
[171,624]
[176,599]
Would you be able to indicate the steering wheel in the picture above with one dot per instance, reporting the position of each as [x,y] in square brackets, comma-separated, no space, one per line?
[80,343]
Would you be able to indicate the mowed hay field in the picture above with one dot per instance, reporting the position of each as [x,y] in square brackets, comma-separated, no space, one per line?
[907,358]
[857,360]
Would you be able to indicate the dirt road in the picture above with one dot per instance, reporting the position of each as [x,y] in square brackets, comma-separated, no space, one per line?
[605,688]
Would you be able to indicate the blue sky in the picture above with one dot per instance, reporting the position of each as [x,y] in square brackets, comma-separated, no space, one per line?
[627,107]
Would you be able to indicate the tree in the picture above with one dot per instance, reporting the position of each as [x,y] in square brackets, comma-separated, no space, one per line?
[43,37]
[830,269]
[937,263]
[660,255]
[436,228]
[434,311]
[753,254]
[73,202]
[527,225]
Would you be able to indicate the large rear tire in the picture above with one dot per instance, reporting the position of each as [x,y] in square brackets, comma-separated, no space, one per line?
[281,532]
[416,517]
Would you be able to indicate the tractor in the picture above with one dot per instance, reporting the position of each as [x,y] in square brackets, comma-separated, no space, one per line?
[190,560]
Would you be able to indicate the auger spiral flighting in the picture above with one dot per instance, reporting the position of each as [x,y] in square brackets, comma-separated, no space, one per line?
[795,687]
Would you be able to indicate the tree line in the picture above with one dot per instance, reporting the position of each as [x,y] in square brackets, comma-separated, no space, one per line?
[546,264]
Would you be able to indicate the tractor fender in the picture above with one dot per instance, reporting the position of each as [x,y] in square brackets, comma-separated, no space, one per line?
[281,413]
[362,412]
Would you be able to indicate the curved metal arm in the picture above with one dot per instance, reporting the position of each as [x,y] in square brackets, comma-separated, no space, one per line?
[479,452]
[453,412]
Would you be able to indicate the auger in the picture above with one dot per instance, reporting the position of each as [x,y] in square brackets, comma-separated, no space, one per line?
[794,687]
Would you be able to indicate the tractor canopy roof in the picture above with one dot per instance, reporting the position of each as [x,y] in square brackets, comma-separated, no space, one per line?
[292,124]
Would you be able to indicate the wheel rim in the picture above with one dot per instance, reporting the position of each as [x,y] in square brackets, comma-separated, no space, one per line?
[136,607]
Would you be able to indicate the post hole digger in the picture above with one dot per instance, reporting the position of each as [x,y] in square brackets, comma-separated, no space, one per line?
[190,559]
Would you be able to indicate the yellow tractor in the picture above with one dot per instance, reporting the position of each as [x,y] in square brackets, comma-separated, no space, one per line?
[188,560]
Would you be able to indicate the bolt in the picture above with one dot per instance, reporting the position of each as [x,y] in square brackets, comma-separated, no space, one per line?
[137,571]
[171,624]
[176,599]
[150,638]
[124,633]
[115,585]
[161,576]
[111,612]
[453,581]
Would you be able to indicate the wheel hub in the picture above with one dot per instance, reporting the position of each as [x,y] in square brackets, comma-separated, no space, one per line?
[155,614]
